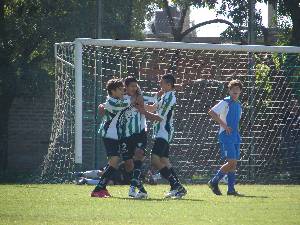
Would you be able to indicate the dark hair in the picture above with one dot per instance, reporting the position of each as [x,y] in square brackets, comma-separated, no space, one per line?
[235,83]
[113,84]
[170,79]
[129,80]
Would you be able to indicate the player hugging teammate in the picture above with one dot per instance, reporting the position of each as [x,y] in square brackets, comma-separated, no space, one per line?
[124,133]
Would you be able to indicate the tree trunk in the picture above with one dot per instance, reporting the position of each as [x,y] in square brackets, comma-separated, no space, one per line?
[293,7]
[296,29]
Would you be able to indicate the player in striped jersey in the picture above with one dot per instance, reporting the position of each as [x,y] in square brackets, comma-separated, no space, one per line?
[163,133]
[114,107]
[134,137]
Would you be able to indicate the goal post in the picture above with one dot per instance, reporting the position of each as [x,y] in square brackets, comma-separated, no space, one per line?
[269,127]
[78,101]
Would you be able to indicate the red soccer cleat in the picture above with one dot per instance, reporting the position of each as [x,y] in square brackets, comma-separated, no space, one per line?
[103,193]
[106,192]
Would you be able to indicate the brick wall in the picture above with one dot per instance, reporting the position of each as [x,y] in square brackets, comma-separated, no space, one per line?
[29,128]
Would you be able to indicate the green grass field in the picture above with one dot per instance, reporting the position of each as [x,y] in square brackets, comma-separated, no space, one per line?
[71,204]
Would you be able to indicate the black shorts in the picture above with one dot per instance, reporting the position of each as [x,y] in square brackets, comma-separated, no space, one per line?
[112,147]
[130,144]
[161,148]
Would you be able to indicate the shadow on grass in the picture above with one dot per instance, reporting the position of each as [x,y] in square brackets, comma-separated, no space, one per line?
[247,196]
[159,199]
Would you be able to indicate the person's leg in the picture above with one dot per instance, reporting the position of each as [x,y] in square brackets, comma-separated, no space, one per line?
[139,157]
[166,162]
[177,189]
[225,168]
[227,152]
[231,173]
[160,161]
[139,143]
[108,173]
[127,150]
[91,181]
[231,178]
[129,165]
[92,174]
[112,150]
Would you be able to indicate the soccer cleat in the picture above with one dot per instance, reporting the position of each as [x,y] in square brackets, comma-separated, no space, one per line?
[171,193]
[179,192]
[132,192]
[107,193]
[141,188]
[141,195]
[234,193]
[102,193]
[214,187]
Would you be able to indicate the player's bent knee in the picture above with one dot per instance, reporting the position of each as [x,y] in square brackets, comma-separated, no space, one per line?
[155,161]
[166,162]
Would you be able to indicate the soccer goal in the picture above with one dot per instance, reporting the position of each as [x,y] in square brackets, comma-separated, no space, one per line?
[270,126]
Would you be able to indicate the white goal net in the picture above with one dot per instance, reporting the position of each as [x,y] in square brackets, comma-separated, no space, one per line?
[270,125]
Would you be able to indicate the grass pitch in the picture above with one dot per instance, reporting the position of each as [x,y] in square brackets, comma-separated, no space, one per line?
[71,204]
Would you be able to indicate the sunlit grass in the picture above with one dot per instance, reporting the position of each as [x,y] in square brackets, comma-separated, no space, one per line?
[71,204]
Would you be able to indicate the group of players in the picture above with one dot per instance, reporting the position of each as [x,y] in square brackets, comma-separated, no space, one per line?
[124,133]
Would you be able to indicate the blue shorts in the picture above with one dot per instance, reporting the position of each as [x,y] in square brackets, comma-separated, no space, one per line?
[230,150]
[230,145]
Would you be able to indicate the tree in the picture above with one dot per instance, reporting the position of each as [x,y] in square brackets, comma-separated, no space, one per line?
[290,8]
[125,19]
[238,12]
[28,30]
[184,5]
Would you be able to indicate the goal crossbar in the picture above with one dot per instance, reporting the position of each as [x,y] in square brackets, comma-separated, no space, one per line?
[188,46]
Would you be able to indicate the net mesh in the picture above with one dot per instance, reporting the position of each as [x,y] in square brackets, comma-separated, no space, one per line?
[60,158]
[270,125]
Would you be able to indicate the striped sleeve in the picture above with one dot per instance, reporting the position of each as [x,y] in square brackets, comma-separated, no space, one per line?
[168,102]
[114,106]
[149,97]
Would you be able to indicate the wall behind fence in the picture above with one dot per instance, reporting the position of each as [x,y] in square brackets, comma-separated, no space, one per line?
[29,129]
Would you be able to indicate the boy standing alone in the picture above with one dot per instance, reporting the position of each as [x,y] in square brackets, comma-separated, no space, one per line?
[228,114]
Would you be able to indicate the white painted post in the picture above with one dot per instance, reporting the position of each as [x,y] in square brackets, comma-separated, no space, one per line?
[78,101]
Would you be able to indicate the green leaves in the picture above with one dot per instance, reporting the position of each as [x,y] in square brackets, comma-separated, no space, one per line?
[262,78]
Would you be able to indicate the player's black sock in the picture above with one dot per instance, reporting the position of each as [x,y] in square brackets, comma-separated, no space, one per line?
[108,173]
[166,173]
[174,174]
[129,175]
[135,179]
